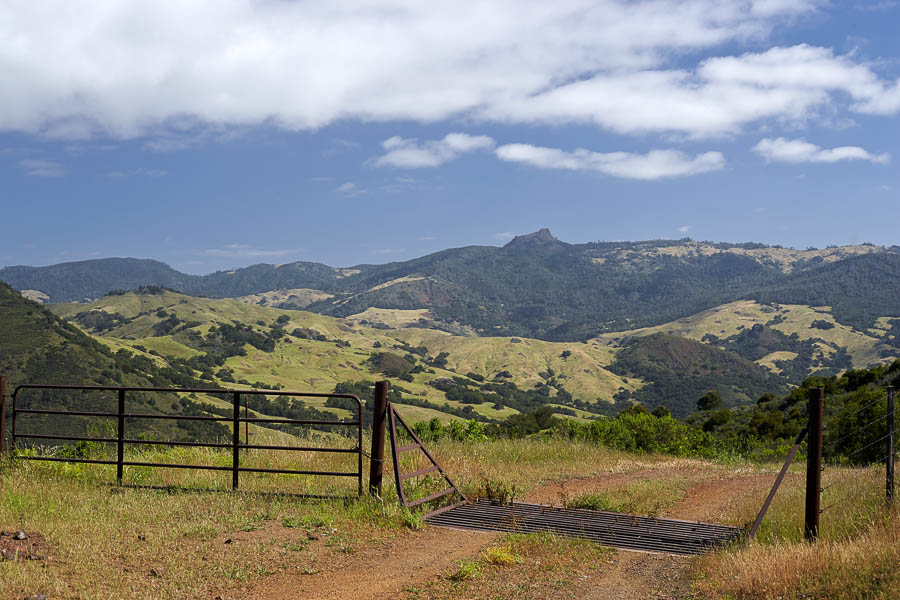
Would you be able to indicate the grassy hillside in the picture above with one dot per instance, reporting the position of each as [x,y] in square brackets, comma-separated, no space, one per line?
[795,340]
[302,350]
[306,351]
[38,347]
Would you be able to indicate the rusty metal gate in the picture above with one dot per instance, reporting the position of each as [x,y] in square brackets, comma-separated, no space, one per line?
[121,440]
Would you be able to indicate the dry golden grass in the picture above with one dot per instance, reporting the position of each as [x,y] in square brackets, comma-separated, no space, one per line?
[856,556]
[862,567]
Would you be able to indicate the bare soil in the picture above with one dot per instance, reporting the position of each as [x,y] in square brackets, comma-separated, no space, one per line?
[378,571]
[33,547]
[391,568]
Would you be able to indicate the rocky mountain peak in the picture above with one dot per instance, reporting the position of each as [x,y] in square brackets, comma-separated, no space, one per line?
[541,238]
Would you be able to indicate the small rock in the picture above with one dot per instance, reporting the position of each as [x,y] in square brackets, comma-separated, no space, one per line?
[228,541]
[312,536]
[19,535]
[9,555]
[3,533]
[157,572]
[36,597]
[142,538]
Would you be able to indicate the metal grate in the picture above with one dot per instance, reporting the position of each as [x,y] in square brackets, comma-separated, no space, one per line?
[610,529]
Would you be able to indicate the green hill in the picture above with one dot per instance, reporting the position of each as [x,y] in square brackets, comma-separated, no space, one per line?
[229,342]
[38,347]
[76,281]
[791,340]
[680,371]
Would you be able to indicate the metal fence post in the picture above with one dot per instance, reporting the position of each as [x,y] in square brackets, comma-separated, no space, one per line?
[814,464]
[378,418]
[120,438]
[2,415]
[236,441]
[889,462]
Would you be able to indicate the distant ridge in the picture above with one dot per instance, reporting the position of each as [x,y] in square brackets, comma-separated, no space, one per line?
[534,286]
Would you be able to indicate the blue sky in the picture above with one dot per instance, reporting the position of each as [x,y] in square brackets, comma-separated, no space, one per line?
[218,134]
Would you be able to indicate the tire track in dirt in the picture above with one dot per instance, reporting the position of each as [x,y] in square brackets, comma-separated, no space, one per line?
[380,572]
[640,575]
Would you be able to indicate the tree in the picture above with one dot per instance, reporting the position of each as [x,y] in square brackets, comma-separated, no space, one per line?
[661,411]
[709,401]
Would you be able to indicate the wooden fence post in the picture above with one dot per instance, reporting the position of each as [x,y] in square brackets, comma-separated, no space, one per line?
[814,464]
[376,467]
[889,461]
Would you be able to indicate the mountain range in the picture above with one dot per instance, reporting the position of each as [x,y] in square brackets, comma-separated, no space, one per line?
[535,286]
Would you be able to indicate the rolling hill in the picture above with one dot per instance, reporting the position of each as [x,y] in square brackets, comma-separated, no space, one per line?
[228,342]
[38,347]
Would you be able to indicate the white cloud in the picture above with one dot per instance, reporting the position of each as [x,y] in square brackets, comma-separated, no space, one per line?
[349,189]
[164,68]
[140,172]
[409,153]
[247,251]
[655,164]
[684,228]
[505,236]
[719,97]
[801,151]
[144,172]
[42,168]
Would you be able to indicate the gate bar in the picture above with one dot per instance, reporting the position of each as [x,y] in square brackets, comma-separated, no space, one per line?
[120,440]
[236,441]
[120,437]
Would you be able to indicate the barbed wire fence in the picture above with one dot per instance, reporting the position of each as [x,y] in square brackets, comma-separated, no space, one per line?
[856,450]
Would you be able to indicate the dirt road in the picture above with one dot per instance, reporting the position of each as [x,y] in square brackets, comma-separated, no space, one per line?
[413,559]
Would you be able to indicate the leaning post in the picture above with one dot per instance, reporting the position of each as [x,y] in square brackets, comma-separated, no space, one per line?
[376,467]
[814,464]
[889,461]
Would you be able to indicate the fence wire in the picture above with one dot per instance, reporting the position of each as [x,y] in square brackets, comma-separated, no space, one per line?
[858,485]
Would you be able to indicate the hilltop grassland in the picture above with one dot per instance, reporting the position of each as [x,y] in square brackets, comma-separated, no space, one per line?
[731,319]
[784,259]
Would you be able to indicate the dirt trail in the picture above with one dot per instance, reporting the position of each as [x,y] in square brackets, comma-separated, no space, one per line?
[380,572]
[641,575]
